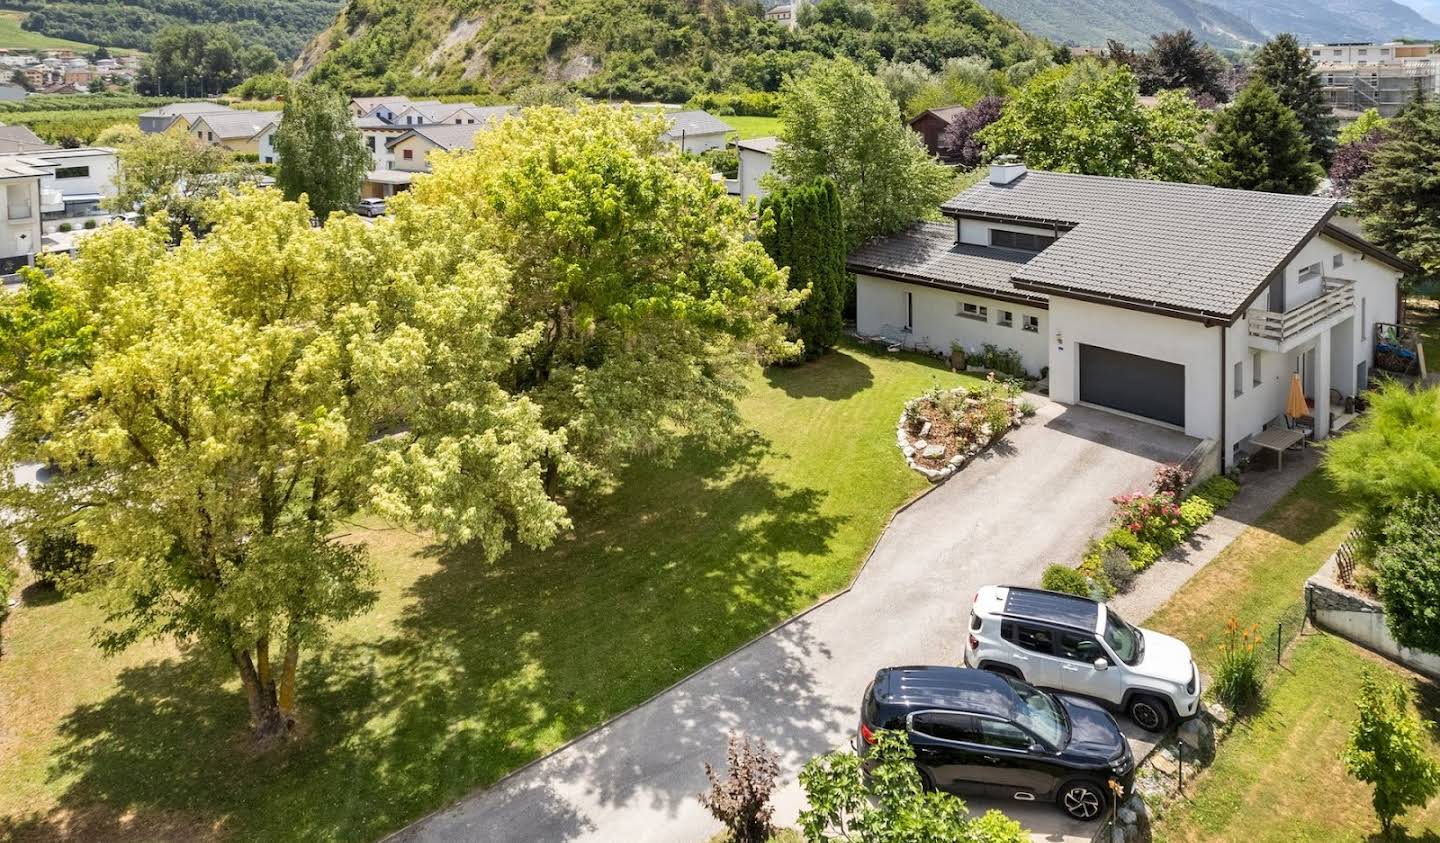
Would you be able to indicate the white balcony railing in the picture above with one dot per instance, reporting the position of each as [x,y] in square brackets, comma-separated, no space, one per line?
[1337,298]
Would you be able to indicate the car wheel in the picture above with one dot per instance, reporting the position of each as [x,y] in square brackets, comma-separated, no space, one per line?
[926,783]
[1149,713]
[1004,670]
[1082,800]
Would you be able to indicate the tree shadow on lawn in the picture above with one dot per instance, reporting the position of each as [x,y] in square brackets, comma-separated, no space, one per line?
[488,667]
[833,376]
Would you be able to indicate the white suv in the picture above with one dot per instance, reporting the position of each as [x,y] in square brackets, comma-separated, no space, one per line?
[1080,646]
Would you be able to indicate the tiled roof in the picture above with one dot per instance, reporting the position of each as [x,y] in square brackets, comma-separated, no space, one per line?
[695,123]
[240,124]
[178,108]
[947,113]
[21,139]
[1170,247]
[767,145]
[927,253]
[445,135]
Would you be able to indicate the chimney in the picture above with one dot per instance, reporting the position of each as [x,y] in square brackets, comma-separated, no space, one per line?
[1005,169]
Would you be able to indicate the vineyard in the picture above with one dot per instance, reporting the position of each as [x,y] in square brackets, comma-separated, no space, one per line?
[75,118]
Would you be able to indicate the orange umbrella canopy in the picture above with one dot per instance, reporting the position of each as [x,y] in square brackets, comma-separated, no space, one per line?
[1295,405]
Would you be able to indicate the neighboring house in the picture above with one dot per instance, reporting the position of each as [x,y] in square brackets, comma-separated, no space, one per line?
[21,139]
[783,14]
[455,113]
[265,145]
[383,107]
[757,156]
[382,184]
[696,131]
[377,134]
[931,124]
[410,151]
[20,233]
[75,184]
[1355,77]
[1185,305]
[237,131]
[165,117]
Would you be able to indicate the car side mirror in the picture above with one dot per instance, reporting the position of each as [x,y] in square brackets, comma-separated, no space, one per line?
[1101,664]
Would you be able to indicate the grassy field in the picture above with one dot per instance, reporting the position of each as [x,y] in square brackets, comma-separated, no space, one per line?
[12,36]
[754,127]
[465,671]
[1279,776]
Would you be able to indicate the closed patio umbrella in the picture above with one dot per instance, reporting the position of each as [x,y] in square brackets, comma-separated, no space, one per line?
[1295,405]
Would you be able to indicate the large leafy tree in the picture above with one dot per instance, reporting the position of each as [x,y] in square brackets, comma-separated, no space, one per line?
[1399,193]
[1259,144]
[1179,62]
[174,173]
[322,154]
[572,295]
[802,229]
[839,122]
[1289,70]
[960,141]
[1086,118]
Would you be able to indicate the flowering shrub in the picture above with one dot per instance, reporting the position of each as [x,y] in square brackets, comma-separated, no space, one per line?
[1151,518]
[1172,479]
[1237,677]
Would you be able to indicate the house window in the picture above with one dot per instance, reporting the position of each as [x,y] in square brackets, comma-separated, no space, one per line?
[1021,240]
[374,143]
[1004,318]
[1311,272]
[72,172]
[1255,368]
[1030,323]
[1239,378]
[970,310]
[909,312]
[1337,261]
[408,155]
[1363,52]
[210,136]
[269,159]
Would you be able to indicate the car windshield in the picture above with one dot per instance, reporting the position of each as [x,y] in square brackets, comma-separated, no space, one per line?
[1125,640]
[1040,713]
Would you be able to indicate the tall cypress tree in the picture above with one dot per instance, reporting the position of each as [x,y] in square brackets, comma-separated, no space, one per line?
[1399,196]
[1290,72]
[802,228]
[1259,144]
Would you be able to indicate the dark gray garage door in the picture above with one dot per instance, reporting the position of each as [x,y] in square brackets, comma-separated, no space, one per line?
[1144,386]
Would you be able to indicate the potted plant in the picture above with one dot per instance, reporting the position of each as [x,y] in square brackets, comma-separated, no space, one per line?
[957,356]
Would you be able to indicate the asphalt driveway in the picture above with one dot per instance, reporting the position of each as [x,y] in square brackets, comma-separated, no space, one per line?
[1035,500]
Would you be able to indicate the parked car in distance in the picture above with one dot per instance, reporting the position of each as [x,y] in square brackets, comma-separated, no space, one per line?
[370,207]
[1080,646]
[983,733]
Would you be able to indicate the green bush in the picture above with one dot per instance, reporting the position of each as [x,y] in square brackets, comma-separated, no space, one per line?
[1117,568]
[64,227]
[1065,579]
[1408,573]
[90,224]
[1195,511]
[1218,491]
[747,104]
[59,559]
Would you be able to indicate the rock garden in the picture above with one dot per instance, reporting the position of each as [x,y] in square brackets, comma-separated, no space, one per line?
[942,430]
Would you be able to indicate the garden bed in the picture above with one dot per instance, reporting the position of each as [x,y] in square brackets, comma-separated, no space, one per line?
[942,430]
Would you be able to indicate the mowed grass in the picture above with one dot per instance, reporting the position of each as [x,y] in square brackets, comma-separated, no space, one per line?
[464,671]
[1279,779]
[753,127]
[1259,578]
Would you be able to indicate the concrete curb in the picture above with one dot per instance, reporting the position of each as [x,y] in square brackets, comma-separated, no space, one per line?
[398,835]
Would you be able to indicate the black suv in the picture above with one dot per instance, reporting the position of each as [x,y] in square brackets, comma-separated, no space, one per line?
[982,733]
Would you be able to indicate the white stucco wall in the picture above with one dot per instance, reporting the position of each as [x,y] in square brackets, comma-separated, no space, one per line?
[880,302]
[977,232]
[698,143]
[753,165]
[1181,341]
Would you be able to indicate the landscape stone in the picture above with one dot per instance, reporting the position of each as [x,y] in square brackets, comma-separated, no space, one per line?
[933,452]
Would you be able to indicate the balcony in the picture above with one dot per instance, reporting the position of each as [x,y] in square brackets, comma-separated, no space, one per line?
[1283,331]
[15,213]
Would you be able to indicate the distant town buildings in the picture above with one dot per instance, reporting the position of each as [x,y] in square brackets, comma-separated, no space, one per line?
[63,71]
[1386,77]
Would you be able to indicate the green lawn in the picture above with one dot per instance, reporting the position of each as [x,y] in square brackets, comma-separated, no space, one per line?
[12,36]
[1258,579]
[1278,777]
[464,671]
[754,127]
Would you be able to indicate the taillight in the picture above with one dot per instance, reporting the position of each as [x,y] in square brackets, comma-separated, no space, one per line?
[974,642]
[866,734]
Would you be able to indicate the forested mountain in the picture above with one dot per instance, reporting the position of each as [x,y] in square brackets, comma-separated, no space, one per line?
[1225,23]
[638,49]
[282,25]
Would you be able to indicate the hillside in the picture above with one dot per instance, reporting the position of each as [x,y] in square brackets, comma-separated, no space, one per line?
[282,25]
[1225,23]
[634,49]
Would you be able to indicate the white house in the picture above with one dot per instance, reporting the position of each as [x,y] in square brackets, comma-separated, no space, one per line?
[757,156]
[696,131]
[163,118]
[75,183]
[1185,305]
[20,231]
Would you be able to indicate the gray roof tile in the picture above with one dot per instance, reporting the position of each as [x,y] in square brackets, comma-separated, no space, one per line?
[695,123]
[926,252]
[1192,248]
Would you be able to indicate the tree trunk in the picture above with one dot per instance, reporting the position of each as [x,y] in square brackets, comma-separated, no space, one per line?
[287,675]
[269,723]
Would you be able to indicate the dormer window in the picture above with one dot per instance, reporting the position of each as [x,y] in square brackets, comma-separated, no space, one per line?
[1021,240]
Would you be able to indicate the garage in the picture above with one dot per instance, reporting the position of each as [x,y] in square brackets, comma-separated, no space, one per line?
[1130,383]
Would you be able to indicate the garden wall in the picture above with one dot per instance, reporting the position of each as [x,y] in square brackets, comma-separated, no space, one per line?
[1360,619]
